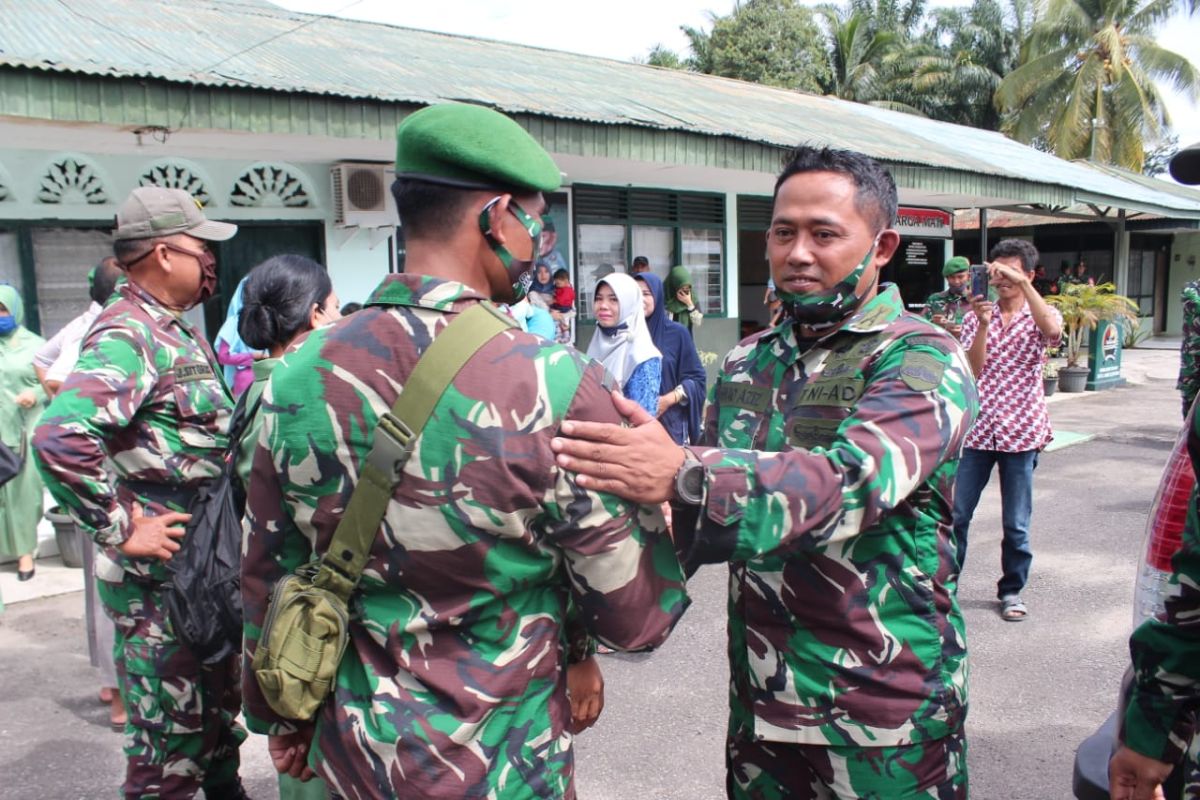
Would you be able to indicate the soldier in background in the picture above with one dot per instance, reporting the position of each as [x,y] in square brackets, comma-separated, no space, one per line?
[824,476]
[948,307]
[1158,731]
[453,684]
[146,395]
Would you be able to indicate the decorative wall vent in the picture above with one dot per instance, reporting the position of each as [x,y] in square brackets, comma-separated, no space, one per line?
[71,181]
[271,186]
[174,175]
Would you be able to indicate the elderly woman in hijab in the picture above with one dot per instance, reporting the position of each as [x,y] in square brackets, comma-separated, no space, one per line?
[622,340]
[680,304]
[232,352]
[681,392]
[21,401]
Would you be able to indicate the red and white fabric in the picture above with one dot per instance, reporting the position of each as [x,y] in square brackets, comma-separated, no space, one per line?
[1012,415]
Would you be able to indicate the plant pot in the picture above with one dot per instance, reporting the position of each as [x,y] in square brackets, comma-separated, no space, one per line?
[1072,379]
[68,538]
[1049,385]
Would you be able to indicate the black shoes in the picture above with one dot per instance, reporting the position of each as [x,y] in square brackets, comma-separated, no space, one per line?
[26,574]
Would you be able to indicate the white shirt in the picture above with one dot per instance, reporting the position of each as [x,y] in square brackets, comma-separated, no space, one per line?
[58,355]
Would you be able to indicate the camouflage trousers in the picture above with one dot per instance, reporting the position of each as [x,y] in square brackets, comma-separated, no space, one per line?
[759,770]
[181,735]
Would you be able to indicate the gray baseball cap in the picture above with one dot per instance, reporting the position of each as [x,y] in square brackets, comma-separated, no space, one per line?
[151,211]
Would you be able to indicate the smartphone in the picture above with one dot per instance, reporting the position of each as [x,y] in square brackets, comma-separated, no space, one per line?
[979,280]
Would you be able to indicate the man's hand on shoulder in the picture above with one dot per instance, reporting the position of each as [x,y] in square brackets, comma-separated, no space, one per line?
[638,463]
[153,537]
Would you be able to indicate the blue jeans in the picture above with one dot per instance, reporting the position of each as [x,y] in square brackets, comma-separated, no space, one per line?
[1016,507]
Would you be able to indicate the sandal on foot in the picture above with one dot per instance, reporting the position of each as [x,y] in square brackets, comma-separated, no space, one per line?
[1012,609]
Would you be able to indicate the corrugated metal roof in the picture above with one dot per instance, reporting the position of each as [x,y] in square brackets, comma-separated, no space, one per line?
[253,44]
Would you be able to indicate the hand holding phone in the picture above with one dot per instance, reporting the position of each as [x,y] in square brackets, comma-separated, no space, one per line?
[979,280]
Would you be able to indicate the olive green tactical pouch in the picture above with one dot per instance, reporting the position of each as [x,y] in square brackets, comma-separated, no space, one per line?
[303,638]
[306,628]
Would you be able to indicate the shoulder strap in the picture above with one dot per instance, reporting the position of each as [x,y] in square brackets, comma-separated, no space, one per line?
[395,434]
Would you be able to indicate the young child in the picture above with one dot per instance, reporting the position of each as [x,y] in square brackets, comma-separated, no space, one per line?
[563,307]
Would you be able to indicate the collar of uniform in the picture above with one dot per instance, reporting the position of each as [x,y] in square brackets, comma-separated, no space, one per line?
[160,313]
[423,291]
[262,367]
[877,313]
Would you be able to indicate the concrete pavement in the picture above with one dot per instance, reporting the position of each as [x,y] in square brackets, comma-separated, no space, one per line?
[1037,687]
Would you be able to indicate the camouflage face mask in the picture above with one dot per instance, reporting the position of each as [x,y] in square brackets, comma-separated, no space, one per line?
[520,271]
[823,311]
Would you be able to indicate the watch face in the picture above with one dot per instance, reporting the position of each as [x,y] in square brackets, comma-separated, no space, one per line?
[693,481]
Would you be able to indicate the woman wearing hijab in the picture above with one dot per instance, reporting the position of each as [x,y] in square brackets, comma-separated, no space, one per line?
[622,341]
[541,290]
[680,304]
[681,392]
[232,352]
[21,401]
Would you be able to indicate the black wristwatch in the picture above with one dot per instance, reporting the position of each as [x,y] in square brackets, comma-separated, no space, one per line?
[689,480]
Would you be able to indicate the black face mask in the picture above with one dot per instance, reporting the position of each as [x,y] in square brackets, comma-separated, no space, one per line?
[520,270]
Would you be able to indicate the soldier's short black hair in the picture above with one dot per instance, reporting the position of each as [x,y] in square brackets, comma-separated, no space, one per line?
[875,195]
[129,251]
[278,299]
[429,210]
[1007,248]
[104,281]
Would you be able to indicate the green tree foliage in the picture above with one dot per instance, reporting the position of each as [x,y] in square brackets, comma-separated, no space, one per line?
[1085,83]
[773,42]
[960,59]
[661,56]
[857,55]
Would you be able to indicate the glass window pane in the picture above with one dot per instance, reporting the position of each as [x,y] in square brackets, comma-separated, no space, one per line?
[657,245]
[703,255]
[62,258]
[601,251]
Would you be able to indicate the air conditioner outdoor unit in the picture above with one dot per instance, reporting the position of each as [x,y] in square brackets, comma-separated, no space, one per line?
[362,196]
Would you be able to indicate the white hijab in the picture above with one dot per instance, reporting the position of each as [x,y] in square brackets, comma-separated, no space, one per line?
[622,348]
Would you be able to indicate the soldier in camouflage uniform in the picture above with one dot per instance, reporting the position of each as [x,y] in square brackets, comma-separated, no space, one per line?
[144,396]
[948,307]
[825,478]
[1158,729]
[1189,350]
[453,684]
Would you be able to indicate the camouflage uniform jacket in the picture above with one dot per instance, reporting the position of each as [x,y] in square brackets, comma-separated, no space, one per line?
[144,395]
[1189,351]
[453,684]
[949,304]
[1164,699]
[831,495]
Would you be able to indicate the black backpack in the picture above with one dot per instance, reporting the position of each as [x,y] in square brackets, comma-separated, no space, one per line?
[203,594]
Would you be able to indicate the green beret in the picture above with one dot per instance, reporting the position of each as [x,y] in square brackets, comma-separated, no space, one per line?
[955,265]
[472,147]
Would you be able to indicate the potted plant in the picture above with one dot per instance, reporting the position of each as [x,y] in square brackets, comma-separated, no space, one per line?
[1049,376]
[1083,306]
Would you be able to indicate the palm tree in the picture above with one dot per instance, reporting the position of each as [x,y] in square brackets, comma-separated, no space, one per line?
[1085,85]
[859,58]
[954,69]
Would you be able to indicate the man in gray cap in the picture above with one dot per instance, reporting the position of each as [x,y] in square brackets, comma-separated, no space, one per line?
[1157,732]
[147,398]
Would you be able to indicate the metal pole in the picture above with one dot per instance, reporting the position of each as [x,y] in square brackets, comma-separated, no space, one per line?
[983,239]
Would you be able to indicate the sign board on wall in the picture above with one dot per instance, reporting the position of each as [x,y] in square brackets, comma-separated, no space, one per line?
[928,223]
